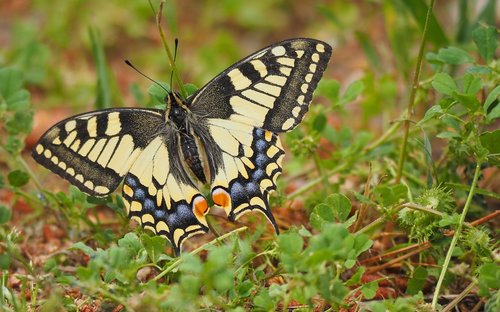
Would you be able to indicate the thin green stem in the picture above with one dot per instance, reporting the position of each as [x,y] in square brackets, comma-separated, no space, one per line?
[177,77]
[384,137]
[411,102]
[321,171]
[458,231]
[377,222]
[421,208]
[30,173]
[197,250]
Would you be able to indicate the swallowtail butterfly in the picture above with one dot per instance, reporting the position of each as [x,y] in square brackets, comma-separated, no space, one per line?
[225,134]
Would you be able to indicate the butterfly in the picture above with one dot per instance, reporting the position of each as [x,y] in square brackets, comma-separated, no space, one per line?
[225,134]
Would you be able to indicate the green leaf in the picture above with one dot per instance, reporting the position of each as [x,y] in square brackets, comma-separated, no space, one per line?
[190,89]
[264,301]
[5,261]
[21,122]
[319,122]
[489,278]
[491,141]
[336,208]
[479,70]
[330,89]
[154,245]
[245,288]
[468,100]
[416,283]
[435,110]
[103,94]
[369,290]
[454,56]
[356,278]
[158,93]
[18,178]
[130,242]
[368,49]
[19,100]
[85,274]
[86,249]
[447,135]
[472,84]
[486,40]
[390,195]
[444,84]
[492,104]
[11,80]
[290,243]
[5,214]
[352,92]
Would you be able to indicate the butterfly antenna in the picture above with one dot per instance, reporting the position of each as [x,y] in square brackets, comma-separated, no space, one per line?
[176,45]
[145,76]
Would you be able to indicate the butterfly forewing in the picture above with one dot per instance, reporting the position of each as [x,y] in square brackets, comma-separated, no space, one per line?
[271,89]
[95,150]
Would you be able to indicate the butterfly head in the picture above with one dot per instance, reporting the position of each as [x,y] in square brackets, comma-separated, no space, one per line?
[176,107]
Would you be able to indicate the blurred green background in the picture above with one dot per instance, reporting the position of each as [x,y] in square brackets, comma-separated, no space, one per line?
[51,42]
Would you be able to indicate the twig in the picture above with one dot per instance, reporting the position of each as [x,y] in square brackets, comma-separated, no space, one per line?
[178,80]
[395,260]
[459,298]
[394,252]
[364,206]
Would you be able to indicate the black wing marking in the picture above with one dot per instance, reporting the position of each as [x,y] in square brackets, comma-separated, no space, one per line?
[161,196]
[270,89]
[95,150]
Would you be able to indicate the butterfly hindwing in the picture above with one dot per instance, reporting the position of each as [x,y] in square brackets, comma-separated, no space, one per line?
[271,89]
[95,150]
[161,196]
[251,164]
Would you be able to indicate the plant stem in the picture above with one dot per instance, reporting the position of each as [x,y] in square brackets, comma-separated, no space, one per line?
[461,296]
[456,235]
[411,102]
[383,138]
[177,77]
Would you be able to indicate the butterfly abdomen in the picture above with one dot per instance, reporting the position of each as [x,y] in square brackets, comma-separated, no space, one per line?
[190,147]
[191,155]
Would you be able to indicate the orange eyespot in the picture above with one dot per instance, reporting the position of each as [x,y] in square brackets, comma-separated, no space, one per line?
[200,207]
[221,198]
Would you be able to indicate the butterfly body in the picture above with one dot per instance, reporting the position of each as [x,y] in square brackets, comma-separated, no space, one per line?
[224,135]
[191,148]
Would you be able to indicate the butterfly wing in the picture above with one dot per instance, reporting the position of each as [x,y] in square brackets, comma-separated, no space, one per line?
[95,150]
[270,89]
[266,93]
[161,196]
[251,163]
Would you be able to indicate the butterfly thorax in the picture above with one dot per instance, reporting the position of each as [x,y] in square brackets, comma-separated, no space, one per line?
[189,144]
